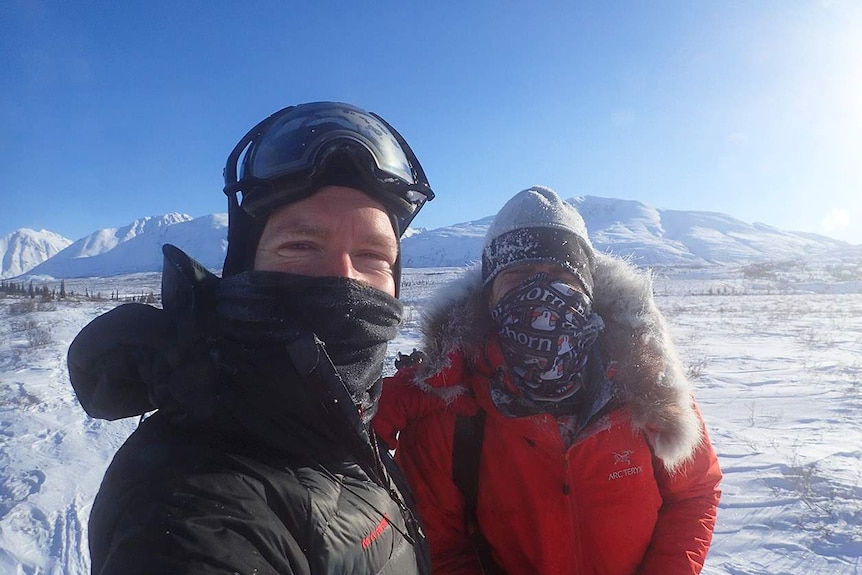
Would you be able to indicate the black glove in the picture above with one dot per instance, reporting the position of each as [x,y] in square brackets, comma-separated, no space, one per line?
[137,358]
[404,361]
[109,358]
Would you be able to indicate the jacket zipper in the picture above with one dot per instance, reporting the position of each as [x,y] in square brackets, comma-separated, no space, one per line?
[574,523]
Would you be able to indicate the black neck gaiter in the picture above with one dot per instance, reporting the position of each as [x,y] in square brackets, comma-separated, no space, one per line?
[262,310]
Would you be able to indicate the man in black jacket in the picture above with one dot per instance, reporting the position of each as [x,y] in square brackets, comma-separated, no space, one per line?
[259,458]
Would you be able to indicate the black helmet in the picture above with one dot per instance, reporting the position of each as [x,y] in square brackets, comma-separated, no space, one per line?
[297,150]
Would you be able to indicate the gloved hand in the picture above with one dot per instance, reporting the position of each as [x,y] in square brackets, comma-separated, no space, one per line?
[137,358]
[109,358]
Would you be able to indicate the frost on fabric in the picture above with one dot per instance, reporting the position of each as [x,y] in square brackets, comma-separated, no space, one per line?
[538,206]
[511,248]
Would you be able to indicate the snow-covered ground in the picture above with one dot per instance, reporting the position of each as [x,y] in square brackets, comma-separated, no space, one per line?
[774,353]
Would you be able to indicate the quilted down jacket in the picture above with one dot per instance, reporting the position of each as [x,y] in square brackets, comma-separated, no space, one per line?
[255,462]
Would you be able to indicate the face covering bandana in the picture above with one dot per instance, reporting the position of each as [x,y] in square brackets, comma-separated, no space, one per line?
[353,320]
[546,330]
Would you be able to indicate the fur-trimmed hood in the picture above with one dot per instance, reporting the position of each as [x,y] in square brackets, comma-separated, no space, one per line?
[649,376]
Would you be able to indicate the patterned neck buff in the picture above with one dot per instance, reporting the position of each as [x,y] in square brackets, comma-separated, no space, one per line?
[547,329]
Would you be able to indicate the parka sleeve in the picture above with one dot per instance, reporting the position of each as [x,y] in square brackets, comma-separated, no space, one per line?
[687,518]
[425,455]
[403,402]
[400,403]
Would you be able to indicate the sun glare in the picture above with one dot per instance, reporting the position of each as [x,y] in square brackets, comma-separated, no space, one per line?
[836,220]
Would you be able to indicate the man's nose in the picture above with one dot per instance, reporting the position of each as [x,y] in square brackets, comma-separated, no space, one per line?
[338,264]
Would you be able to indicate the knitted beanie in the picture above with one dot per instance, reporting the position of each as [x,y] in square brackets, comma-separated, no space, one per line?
[537,226]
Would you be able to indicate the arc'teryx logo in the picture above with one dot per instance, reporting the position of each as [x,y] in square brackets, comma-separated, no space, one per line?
[624,458]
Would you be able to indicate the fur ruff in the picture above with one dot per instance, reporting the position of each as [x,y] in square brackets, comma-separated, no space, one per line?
[650,380]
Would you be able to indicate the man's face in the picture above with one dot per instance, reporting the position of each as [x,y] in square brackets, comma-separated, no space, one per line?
[338,231]
[512,277]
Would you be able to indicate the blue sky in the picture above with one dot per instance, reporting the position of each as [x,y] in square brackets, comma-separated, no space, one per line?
[114,111]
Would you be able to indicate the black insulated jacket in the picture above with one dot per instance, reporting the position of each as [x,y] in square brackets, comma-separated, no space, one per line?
[254,462]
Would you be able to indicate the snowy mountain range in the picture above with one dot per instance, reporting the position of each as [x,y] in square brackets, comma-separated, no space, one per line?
[650,236]
[24,249]
[137,247]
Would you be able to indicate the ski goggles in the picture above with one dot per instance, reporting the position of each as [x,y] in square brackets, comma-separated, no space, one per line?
[286,157]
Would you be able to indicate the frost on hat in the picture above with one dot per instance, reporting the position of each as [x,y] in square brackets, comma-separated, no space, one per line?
[537,226]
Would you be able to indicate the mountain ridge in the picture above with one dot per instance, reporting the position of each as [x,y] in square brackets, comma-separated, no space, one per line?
[24,249]
[644,234]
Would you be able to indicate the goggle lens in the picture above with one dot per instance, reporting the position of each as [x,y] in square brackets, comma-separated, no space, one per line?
[293,142]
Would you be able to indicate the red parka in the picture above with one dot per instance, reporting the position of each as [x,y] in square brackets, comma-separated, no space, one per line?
[636,492]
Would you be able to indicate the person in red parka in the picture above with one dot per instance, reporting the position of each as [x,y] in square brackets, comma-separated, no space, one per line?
[549,427]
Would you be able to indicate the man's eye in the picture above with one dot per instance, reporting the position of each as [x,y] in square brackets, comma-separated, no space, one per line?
[377,258]
[296,246]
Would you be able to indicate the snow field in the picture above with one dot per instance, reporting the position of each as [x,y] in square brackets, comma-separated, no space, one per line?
[776,368]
